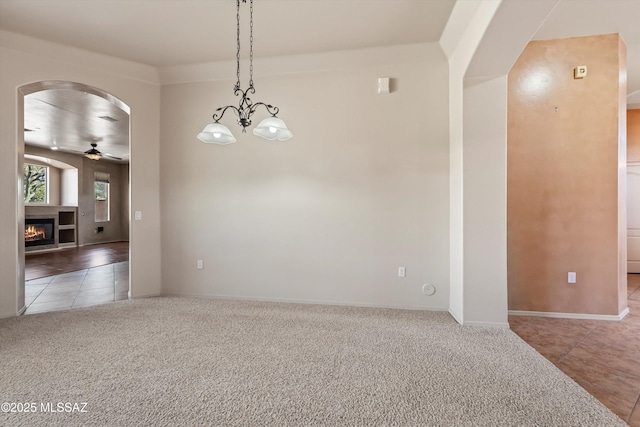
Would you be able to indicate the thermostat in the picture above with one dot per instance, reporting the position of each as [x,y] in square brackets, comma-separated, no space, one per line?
[580,72]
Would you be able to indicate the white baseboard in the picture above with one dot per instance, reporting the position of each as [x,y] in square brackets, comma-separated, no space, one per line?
[582,316]
[455,316]
[295,301]
[499,325]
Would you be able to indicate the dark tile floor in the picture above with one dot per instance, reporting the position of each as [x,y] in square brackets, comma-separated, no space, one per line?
[602,356]
[97,285]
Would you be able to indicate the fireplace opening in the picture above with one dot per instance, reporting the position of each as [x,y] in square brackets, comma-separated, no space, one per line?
[38,231]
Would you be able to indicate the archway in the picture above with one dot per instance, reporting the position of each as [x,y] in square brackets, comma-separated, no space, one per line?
[67,117]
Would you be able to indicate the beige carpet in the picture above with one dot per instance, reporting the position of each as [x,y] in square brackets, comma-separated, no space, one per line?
[179,362]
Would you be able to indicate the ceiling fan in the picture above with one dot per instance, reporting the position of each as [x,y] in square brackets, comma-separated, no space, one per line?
[94,154]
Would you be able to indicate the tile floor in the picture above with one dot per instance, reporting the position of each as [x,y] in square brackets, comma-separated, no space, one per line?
[602,356]
[97,285]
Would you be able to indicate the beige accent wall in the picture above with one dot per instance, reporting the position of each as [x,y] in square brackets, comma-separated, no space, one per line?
[633,135]
[566,185]
[328,216]
[622,176]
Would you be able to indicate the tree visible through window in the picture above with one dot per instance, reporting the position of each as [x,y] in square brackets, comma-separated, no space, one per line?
[35,183]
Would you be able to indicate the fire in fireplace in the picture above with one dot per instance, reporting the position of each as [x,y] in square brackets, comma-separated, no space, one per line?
[34,232]
[38,231]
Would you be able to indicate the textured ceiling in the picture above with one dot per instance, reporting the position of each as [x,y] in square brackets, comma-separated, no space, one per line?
[71,120]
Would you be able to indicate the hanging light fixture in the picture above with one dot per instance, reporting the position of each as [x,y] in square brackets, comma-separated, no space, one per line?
[93,154]
[271,128]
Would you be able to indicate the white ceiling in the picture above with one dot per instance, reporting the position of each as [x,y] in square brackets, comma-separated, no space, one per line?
[178,32]
[165,33]
[72,119]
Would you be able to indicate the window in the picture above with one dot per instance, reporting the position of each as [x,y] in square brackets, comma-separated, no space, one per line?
[101,191]
[35,183]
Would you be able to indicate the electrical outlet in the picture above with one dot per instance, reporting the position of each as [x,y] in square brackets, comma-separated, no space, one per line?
[200,264]
[571,277]
[402,272]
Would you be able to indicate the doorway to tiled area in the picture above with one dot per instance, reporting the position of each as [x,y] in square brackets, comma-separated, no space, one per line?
[97,285]
[77,277]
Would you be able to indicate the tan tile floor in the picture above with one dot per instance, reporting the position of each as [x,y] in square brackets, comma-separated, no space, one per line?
[97,285]
[602,356]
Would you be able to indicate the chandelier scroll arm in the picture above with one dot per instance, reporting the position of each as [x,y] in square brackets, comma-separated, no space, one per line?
[273,110]
[217,117]
[271,128]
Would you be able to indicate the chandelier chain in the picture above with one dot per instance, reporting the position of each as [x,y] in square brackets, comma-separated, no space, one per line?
[251,43]
[246,108]
[238,45]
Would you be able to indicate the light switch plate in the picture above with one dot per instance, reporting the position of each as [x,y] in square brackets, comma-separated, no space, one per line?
[580,72]
[383,85]
[138,215]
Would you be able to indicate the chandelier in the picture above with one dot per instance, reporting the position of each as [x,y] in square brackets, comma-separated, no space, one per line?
[271,128]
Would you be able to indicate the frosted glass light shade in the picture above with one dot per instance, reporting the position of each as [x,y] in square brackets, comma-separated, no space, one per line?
[272,128]
[215,133]
[93,156]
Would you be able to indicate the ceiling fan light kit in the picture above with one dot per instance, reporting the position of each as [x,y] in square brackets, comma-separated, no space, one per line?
[93,153]
[271,128]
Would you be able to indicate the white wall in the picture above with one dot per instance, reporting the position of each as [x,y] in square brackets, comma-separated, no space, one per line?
[328,216]
[25,60]
[466,27]
[485,209]
[357,204]
[69,180]
[125,220]
[482,41]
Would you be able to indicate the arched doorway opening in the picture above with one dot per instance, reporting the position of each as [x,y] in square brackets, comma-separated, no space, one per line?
[62,120]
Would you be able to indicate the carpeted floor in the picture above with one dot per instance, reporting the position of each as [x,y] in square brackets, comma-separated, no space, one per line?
[180,361]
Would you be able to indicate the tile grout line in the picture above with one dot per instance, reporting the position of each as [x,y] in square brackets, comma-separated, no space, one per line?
[43,289]
[112,285]
[636,406]
[577,344]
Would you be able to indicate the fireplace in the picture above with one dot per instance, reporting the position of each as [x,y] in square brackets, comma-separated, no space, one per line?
[38,231]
